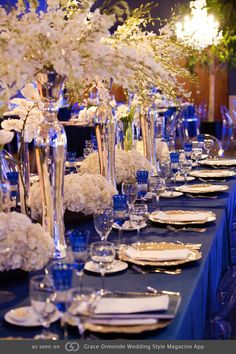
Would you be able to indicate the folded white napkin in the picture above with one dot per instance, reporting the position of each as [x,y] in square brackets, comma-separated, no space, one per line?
[163,255]
[123,321]
[132,305]
[180,217]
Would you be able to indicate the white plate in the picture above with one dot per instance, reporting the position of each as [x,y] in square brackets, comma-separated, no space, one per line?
[208,216]
[202,188]
[127,227]
[31,319]
[213,173]
[180,178]
[168,194]
[218,162]
[118,266]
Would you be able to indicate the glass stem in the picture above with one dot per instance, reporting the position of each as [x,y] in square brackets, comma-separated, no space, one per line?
[120,235]
[80,280]
[185,178]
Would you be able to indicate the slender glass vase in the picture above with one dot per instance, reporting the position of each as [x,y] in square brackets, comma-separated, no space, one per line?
[105,128]
[4,187]
[51,147]
[24,173]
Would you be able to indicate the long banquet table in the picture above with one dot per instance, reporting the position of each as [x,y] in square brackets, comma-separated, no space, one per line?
[197,283]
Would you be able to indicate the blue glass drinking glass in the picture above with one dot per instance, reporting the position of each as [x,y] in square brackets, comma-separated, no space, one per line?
[13,178]
[188,147]
[71,161]
[120,211]
[79,246]
[142,179]
[174,164]
[201,140]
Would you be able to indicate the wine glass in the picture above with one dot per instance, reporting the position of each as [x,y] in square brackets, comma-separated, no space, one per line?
[185,166]
[103,220]
[103,255]
[79,246]
[86,152]
[130,189]
[14,193]
[164,171]
[208,145]
[197,154]
[200,140]
[62,274]
[120,212]
[157,186]
[188,146]
[83,303]
[71,161]
[174,164]
[142,179]
[40,298]
[138,215]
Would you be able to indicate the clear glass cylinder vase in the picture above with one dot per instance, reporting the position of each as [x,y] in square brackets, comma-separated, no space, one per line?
[51,145]
[105,128]
[24,173]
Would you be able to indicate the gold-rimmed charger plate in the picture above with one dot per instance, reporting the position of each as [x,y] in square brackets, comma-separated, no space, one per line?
[202,188]
[218,162]
[210,216]
[194,255]
[213,173]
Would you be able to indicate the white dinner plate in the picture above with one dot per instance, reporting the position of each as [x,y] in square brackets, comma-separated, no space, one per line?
[170,195]
[182,217]
[30,319]
[202,188]
[130,227]
[213,173]
[118,266]
[218,162]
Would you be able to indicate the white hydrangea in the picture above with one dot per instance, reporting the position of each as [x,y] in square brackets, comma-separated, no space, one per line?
[127,164]
[30,247]
[84,194]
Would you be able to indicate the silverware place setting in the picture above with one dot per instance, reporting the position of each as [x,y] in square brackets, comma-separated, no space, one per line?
[191,229]
[201,196]
[156,270]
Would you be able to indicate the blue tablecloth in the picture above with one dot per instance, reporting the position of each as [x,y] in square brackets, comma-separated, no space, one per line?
[197,283]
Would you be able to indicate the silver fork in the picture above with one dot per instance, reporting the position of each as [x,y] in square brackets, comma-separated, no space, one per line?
[157,270]
[212,180]
[193,229]
[201,196]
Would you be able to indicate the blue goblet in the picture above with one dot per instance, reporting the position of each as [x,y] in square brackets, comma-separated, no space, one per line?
[201,140]
[120,212]
[174,164]
[71,161]
[13,180]
[142,179]
[188,147]
[79,246]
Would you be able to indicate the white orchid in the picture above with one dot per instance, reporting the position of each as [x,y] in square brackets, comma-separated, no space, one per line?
[5,137]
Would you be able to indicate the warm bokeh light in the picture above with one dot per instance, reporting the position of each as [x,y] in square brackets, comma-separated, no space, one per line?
[200,29]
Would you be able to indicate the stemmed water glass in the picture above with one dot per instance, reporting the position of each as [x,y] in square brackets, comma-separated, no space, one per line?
[208,145]
[174,164]
[103,221]
[71,161]
[62,274]
[79,246]
[103,255]
[142,179]
[188,147]
[120,212]
[164,171]
[157,186]
[40,298]
[86,152]
[197,154]
[185,166]
[138,215]
[13,180]
[130,189]
[200,140]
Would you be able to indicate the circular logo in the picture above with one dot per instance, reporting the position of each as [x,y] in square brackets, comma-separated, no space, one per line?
[72,346]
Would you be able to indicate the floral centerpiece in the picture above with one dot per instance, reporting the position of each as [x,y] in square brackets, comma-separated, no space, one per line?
[83,194]
[126,165]
[30,247]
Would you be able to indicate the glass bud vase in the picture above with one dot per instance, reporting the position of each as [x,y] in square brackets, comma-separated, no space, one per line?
[51,147]
[105,128]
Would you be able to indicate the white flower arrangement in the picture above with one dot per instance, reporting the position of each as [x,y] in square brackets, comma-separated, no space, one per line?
[127,163]
[5,138]
[30,247]
[82,194]
[28,111]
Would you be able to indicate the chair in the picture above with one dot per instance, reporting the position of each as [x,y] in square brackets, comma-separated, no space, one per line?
[217,150]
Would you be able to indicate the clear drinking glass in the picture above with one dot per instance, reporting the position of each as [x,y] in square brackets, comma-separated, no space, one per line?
[86,152]
[138,215]
[174,164]
[185,166]
[103,220]
[130,189]
[165,171]
[120,212]
[142,179]
[103,255]
[188,146]
[14,190]
[71,161]
[157,186]
[79,247]
[208,145]
[40,298]
[197,154]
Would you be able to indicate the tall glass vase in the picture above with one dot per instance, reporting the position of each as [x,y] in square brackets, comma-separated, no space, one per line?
[149,134]
[51,147]
[24,173]
[4,187]
[105,128]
